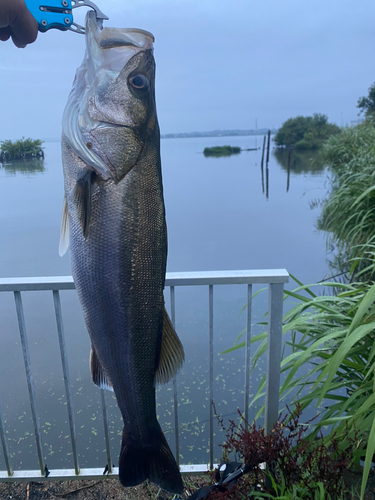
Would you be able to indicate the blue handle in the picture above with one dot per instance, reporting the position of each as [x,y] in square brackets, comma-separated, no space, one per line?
[51,14]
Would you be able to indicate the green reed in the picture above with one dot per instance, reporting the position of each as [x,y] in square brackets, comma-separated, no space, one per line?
[348,214]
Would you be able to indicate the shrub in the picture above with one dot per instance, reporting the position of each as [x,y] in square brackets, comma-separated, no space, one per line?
[305,132]
[21,150]
[332,361]
[297,464]
[221,151]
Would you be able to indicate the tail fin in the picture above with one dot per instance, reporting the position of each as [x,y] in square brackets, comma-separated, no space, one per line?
[151,460]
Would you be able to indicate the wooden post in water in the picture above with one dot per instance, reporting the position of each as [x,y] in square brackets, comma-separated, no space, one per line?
[267,160]
[264,147]
[261,163]
[268,147]
[288,177]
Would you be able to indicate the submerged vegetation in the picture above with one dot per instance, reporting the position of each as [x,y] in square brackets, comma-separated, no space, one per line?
[305,132]
[222,151]
[23,149]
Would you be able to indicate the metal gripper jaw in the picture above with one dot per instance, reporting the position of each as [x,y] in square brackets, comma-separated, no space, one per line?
[58,14]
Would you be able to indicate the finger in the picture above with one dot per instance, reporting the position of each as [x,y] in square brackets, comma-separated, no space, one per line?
[18,22]
[24,28]
[5,34]
[19,43]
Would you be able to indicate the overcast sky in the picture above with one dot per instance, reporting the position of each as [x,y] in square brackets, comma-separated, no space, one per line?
[220,64]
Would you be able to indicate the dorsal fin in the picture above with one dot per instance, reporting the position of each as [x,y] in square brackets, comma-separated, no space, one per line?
[64,229]
[172,353]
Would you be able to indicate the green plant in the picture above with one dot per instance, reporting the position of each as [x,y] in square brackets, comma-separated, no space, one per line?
[296,492]
[331,363]
[221,151]
[21,149]
[348,213]
[305,132]
[283,464]
[366,104]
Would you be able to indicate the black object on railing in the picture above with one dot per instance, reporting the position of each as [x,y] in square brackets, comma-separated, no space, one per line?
[225,481]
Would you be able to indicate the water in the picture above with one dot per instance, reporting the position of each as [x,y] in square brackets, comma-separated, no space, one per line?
[218,218]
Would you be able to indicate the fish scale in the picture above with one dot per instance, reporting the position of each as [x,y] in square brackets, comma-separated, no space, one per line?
[115,217]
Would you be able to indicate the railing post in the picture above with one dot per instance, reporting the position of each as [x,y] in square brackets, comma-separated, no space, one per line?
[211,364]
[175,397]
[64,362]
[5,445]
[247,353]
[106,433]
[29,378]
[275,318]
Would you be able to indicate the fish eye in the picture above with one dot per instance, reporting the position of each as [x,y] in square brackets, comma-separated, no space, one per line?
[139,82]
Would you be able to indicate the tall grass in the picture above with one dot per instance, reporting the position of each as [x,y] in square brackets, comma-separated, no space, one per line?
[331,363]
[348,214]
[329,343]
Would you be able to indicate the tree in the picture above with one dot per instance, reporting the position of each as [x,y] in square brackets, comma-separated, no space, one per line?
[23,149]
[366,105]
[305,132]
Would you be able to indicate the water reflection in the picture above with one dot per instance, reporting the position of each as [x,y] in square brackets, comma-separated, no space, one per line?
[299,161]
[25,167]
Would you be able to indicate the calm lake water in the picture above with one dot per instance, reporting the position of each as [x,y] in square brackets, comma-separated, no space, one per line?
[218,218]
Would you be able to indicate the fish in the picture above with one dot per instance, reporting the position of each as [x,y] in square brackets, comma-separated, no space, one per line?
[114,225]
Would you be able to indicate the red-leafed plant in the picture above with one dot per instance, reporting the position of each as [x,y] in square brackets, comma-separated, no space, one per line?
[294,463]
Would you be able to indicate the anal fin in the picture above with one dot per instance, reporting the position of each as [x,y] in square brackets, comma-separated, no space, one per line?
[97,374]
[172,353]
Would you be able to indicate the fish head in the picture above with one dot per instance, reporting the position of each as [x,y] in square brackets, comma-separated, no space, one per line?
[111,111]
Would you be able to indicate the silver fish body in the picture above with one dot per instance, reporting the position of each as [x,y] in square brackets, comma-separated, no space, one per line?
[115,217]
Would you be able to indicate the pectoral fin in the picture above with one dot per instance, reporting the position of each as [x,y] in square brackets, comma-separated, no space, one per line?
[64,229]
[172,353]
[97,374]
[82,198]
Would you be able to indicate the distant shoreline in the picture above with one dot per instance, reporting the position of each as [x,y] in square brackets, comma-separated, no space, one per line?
[213,133]
[218,133]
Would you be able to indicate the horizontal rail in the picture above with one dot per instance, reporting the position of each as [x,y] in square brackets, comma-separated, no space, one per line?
[37,283]
[275,280]
[69,474]
[258,276]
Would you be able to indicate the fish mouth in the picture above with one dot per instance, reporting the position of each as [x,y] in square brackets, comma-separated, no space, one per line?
[111,48]
[107,52]
[103,124]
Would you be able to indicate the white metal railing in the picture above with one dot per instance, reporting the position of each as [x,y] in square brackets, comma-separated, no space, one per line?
[274,278]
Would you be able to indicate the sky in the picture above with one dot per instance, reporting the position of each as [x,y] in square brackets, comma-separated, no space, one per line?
[220,64]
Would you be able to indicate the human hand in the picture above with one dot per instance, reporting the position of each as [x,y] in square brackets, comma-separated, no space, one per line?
[16,21]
